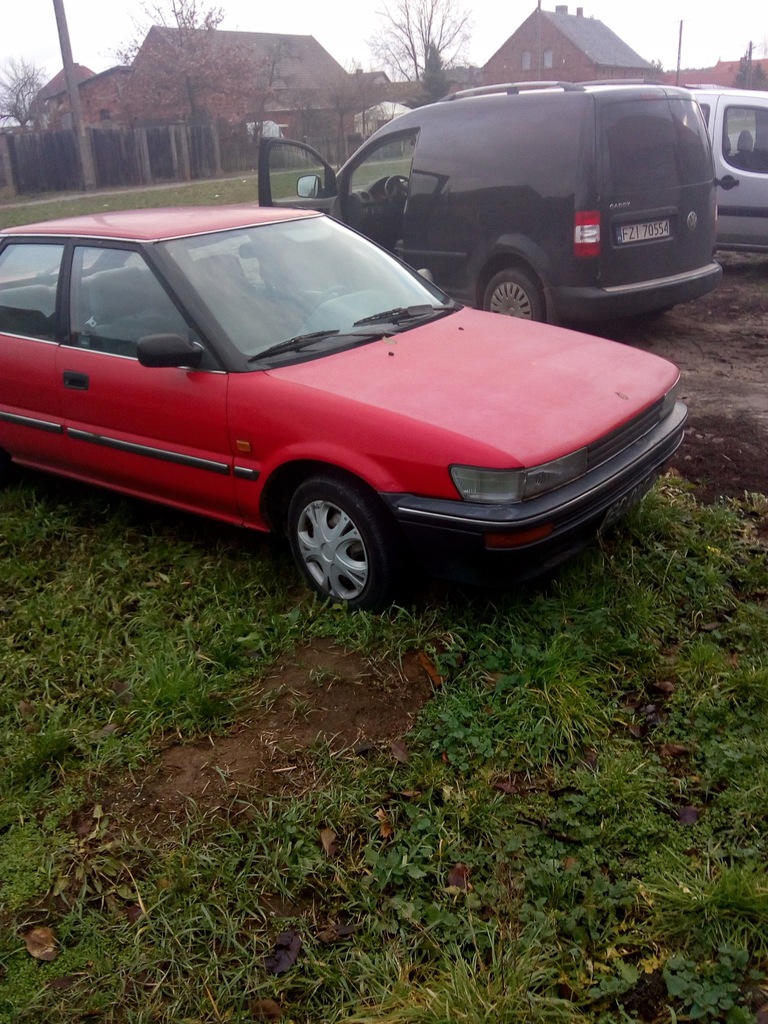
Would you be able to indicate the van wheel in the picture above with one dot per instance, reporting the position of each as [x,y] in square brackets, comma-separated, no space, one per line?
[343,542]
[512,291]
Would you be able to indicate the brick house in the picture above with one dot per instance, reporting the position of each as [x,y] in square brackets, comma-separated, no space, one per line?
[556,45]
[52,101]
[251,76]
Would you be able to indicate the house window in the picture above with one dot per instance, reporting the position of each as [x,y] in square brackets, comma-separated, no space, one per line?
[547,58]
[526,60]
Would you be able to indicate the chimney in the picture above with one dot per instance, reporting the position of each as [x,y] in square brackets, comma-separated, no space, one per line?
[579,12]
[561,9]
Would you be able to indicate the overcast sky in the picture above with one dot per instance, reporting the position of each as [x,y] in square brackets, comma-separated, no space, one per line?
[97,28]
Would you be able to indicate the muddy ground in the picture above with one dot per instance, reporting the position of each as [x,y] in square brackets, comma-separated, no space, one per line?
[323,693]
[720,343]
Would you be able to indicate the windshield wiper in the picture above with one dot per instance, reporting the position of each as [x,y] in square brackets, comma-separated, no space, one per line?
[296,343]
[303,340]
[400,313]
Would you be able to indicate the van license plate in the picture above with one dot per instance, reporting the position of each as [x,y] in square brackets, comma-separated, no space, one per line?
[642,232]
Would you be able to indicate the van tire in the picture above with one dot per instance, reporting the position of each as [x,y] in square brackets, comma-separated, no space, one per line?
[513,293]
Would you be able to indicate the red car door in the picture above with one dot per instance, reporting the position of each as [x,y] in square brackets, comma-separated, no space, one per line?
[31,423]
[155,432]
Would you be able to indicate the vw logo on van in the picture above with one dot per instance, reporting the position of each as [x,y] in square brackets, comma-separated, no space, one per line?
[692,220]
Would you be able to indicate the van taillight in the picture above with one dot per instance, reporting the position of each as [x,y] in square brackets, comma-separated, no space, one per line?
[586,233]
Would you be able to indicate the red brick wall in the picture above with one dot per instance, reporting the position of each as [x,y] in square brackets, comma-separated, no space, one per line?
[569,64]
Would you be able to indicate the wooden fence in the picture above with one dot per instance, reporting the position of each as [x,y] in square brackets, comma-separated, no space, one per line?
[47,161]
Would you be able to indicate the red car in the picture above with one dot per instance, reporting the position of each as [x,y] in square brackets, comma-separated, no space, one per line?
[272,368]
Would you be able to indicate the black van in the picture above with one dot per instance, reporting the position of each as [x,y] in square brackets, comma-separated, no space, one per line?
[553,201]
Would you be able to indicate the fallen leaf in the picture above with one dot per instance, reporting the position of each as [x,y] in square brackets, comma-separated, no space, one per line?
[283,956]
[133,913]
[26,709]
[519,783]
[570,863]
[458,876]
[761,1017]
[638,731]
[429,667]
[385,825]
[688,815]
[673,749]
[265,1009]
[336,933]
[508,786]
[102,734]
[41,943]
[63,983]
[664,686]
[400,751]
[328,839]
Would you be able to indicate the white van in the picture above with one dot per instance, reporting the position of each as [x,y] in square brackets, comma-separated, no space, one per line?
[737,120]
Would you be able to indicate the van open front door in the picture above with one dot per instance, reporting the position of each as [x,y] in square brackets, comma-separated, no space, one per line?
[292,174]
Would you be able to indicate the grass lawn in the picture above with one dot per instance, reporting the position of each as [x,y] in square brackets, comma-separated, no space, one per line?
[24,210]
[223,801]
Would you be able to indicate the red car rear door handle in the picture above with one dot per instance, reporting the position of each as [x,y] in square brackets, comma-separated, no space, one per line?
[76,381]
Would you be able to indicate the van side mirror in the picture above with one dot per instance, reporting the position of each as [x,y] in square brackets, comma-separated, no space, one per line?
[727,182]
[309,186]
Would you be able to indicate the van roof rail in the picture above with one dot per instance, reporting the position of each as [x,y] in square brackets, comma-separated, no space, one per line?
[512,88]
[625,81]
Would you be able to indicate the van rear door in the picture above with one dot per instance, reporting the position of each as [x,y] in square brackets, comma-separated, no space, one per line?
[658,200]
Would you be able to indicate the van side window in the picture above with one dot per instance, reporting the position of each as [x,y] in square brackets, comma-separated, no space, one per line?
[745,138]
[29,275]
[379,187]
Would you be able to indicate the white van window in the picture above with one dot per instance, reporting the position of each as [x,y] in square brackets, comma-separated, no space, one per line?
[745,138]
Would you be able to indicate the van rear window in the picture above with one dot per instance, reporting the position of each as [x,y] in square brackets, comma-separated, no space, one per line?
[649,144]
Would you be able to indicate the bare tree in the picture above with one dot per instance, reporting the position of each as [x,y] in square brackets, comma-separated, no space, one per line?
[413,29]
[351,93]
[20,82]
[179,68]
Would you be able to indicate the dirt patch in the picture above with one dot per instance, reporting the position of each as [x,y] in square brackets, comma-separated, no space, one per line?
[321,694]
[720,343]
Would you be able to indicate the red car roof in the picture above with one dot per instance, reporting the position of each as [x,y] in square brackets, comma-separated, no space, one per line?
[152,225]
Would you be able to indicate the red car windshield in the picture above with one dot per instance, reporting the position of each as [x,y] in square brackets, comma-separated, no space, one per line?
[265,285]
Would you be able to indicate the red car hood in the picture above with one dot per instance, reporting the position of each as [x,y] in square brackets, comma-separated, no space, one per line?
[531,391]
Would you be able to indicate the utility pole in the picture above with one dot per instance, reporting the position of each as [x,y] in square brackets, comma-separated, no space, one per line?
[538,43]
[83,148]
[679,52]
